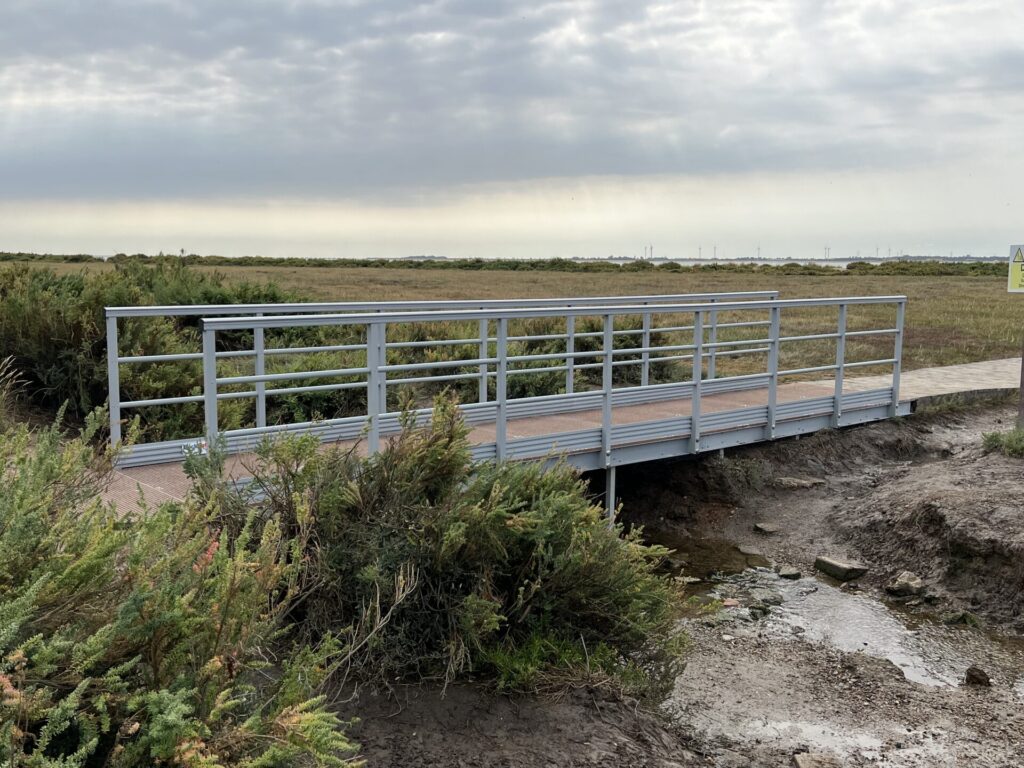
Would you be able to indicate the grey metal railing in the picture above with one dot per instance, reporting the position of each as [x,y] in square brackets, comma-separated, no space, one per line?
[259,353]
[684,332]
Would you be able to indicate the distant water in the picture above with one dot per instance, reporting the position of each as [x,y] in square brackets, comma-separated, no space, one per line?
[837,263]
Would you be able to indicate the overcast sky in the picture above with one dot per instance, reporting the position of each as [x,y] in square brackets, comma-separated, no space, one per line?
[535,129]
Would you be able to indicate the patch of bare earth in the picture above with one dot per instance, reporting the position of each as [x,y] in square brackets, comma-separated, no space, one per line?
[469,727]
[852,671]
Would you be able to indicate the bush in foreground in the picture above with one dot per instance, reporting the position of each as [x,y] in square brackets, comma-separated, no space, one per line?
[204,633]
[141,641]
[501,571]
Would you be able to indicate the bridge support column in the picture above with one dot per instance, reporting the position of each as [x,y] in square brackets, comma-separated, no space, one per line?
[609,494]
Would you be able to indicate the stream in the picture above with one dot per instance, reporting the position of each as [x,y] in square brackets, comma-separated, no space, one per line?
[924,648]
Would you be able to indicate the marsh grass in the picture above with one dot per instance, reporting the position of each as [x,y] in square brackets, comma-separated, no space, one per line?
[51,321]
[1010,443]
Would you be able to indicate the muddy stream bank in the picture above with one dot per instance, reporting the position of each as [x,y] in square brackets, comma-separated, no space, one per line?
[784,659]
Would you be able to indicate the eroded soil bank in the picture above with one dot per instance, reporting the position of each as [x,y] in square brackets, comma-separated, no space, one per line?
[785,666]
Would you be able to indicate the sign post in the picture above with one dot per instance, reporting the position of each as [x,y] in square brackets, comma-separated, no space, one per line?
[1015,284]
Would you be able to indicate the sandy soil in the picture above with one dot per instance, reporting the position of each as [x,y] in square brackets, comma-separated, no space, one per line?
[780,667]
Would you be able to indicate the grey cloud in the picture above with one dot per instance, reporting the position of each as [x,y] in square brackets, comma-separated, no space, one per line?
[125,98]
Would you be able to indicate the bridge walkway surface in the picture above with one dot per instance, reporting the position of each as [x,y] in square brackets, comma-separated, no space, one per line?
[623,379]
[164,482]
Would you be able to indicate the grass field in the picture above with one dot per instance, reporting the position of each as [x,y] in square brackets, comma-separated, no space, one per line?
[949,319]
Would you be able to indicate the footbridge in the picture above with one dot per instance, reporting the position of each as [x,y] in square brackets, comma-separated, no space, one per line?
[598,382]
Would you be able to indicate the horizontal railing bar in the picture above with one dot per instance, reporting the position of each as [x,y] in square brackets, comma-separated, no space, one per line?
[183,399]
[614,363]
[730,354]
[814,369]
[185,310]
[293,375]
[544,337]
[437,343]
[398,368]
[160,358]
[316,388]
[863,363]
[314,350]
[672,328]
[293,321]
[547,369]
[443,377]
[299,425]
[130,359]
[641,350]
[810,337]
[736,343]
[671,358]
[162,401]
[553,356]
[879,332]
[746,324]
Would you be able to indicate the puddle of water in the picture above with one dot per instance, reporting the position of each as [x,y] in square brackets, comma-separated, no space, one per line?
[853,622]
[926,652]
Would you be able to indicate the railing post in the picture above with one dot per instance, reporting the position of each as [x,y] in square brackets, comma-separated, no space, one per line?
[570,348]
[606,386]
[261,370]
[501,392]
[698,376]
[113,381]
[897,366]
[210,385]
[773,366]
[712,340]
[382,351]
[485,345]
[645,373]
[837,408]
[374,407]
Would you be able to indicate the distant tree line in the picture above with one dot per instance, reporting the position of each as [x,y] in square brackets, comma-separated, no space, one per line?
[915,267]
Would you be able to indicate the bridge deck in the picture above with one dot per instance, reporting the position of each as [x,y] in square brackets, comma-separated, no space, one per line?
[166,482]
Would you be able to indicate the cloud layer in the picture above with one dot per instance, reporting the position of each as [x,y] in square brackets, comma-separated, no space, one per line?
[120,98]
[566,127]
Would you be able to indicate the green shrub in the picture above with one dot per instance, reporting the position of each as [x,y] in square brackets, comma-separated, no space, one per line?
[143,640]
[53,327]
[1010,443]
[505,571]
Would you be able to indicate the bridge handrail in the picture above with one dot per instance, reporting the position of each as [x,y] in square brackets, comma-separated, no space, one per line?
[493,361]
[377,368]
[209,310]
[292,321]
[115,359]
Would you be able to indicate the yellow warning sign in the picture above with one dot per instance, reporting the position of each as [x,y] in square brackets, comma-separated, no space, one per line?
[1016,282]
